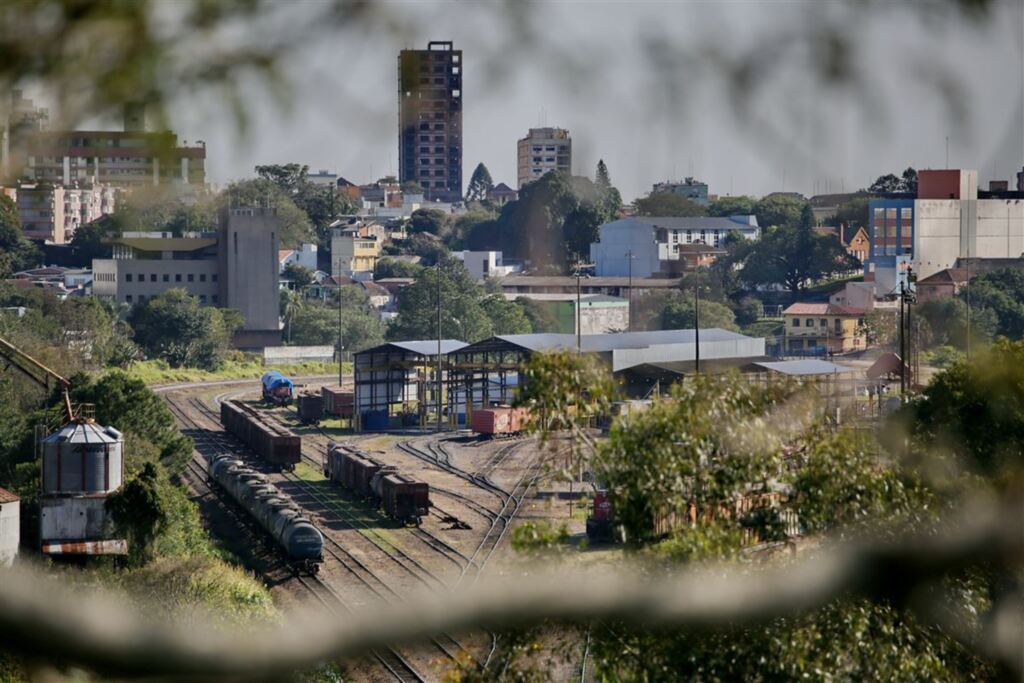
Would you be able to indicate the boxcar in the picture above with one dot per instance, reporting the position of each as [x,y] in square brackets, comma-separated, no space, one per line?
[337,402]
[310,408]
[402,498]
[276,445]
[498,421]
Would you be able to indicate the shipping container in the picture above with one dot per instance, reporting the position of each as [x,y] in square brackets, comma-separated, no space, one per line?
[337,402]
[499,421]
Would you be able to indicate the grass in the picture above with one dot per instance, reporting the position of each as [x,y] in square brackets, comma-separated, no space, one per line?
[241,366]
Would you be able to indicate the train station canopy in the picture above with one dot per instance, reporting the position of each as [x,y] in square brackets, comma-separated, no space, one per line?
[423,347]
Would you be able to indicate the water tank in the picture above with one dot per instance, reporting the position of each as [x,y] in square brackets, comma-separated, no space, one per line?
[82,458]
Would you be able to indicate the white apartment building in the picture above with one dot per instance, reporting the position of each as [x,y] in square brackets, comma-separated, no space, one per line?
[485,264]
[541,151]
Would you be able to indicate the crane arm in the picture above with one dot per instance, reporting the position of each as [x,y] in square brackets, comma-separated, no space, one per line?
[32,368]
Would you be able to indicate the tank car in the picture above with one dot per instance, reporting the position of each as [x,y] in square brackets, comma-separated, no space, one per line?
[275,444]
[277,388]
[402,498]
[301,542]
[498,421]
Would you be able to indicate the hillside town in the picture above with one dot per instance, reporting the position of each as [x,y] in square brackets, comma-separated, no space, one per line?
[481,427]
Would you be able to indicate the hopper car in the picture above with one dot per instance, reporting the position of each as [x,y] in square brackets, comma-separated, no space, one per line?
[276,445]
[401,497]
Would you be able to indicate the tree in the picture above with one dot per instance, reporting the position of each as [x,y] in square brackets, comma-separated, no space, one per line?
[946,321]
[779,211]
[668,204]
[733,206]
[434,221]
[462,316]
[884,184]
[411,187]
[289,177]
[793,256]
[393,267]
[316,323]
[137,512]
[174,327]
[853,213]
[908,181]
[296,227]
[480,184]
[16,252]
[507,317]
[601,177]
[540,317]
[464,225]
[748,311]
[1000,291]
[301,276]
[680,313]
[322,204]
[88,240]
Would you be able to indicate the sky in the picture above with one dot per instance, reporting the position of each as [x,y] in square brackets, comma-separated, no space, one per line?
[637,85]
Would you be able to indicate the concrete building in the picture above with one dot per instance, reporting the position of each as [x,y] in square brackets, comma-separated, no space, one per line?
[324,177]
[484,264]
[235,267]
[10,527]
[599,313]
[820,329]
[41,209]
[645,246]
[691,189]
[430,119]
[304,256]
[353,253]
[541,151]
[501,194]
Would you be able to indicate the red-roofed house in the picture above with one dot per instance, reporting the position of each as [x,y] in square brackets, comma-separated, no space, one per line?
[940,285]
[813,329]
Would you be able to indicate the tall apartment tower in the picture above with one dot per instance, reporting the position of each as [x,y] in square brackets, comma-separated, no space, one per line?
[430,119]
[543,150]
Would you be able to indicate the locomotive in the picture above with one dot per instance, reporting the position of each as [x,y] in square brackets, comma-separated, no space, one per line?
[293,533]
[277,388]
[402,498]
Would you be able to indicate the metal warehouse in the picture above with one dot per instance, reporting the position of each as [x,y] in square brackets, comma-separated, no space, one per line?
[396,384]
[487,372]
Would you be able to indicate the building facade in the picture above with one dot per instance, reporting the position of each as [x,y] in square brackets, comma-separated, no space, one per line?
[53,213]
[645,246]
[10,527]
[484,264]
[354,254]
[598,313]
[430,120]
[819,329]
[543,150]
[691,189]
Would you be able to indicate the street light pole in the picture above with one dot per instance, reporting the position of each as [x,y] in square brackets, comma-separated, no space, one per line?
[903,355]
[579,317]
[438,343]
[340,340]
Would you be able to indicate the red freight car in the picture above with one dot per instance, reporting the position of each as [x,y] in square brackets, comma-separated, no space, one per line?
[337,402]
[310,408]
[403,499]
[352,469]
[499,421]
[277,445]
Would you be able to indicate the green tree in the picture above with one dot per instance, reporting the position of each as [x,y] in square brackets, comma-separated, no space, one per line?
[748,310]
[668,204]
[433,221]
[322,204]
[853,213]
[16,252]
[884,184]
[794,255]
[464,225]
[946,321]
[173,326]
[779,211]
[296,227]
[462,316]
[300,276]
[480,184]
[540,317]
[89,240]
[1001,292]
[733,206]
[680,313]
[392,267]
[601,177]
[316,323]
[137,512]
[507,317]
[289,177]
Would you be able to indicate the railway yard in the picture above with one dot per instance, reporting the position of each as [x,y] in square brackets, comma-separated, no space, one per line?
[478,490]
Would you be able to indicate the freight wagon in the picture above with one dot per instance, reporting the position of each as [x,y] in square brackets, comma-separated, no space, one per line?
[293,533]
[276,445]
[337,402]
[277,388]
[402,498]
[499,421]
[310,408]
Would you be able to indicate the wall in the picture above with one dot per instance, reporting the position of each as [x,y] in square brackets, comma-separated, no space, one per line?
[937,235]
[288,355]
[79,518]
[110,279]
[10,529]
[946,229]
[611,254]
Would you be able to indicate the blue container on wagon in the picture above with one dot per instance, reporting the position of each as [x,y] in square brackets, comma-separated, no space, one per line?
[277,388]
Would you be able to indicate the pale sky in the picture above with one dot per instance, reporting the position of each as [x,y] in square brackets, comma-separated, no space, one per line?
[590,70]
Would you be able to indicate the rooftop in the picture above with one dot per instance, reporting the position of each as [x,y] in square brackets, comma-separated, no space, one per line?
[425,347]
[804,367]
[694,222]
[7,497]
[569,280]
[822,309]
[599,343]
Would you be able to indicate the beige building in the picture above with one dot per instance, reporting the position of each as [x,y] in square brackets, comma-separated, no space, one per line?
[353,253]
[541,151]
[41,209]
[814,328]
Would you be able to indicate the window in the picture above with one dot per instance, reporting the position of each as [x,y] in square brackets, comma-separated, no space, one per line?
[215,301]
[128,298]
[167,277]
[823,322]
[142,297]
[907,213]
[439,150]
[213,278]
[177,277]
[809,322]
[127,277]
[202,298]
[839,326]
[202,277]
[438,138]
[191,277]
[796,322]
[152,277]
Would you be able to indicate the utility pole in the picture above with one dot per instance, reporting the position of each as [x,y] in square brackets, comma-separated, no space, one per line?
[579,317]
[438,343]
[629,315]
[696,327]
[903,355]
[340,340]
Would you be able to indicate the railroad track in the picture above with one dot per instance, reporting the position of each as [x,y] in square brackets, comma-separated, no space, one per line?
[447,644]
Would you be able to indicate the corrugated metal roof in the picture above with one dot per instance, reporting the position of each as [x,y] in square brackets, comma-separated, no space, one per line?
[598,343]
[7,497]
[810,366]
[693,222]
[425,347]
[600,281]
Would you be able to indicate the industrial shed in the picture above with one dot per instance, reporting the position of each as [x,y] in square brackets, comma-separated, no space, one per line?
[396,383]
[487,372]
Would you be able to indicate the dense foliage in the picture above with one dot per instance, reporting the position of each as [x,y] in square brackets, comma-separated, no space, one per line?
[309,322]
[16,252]
[174,327]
